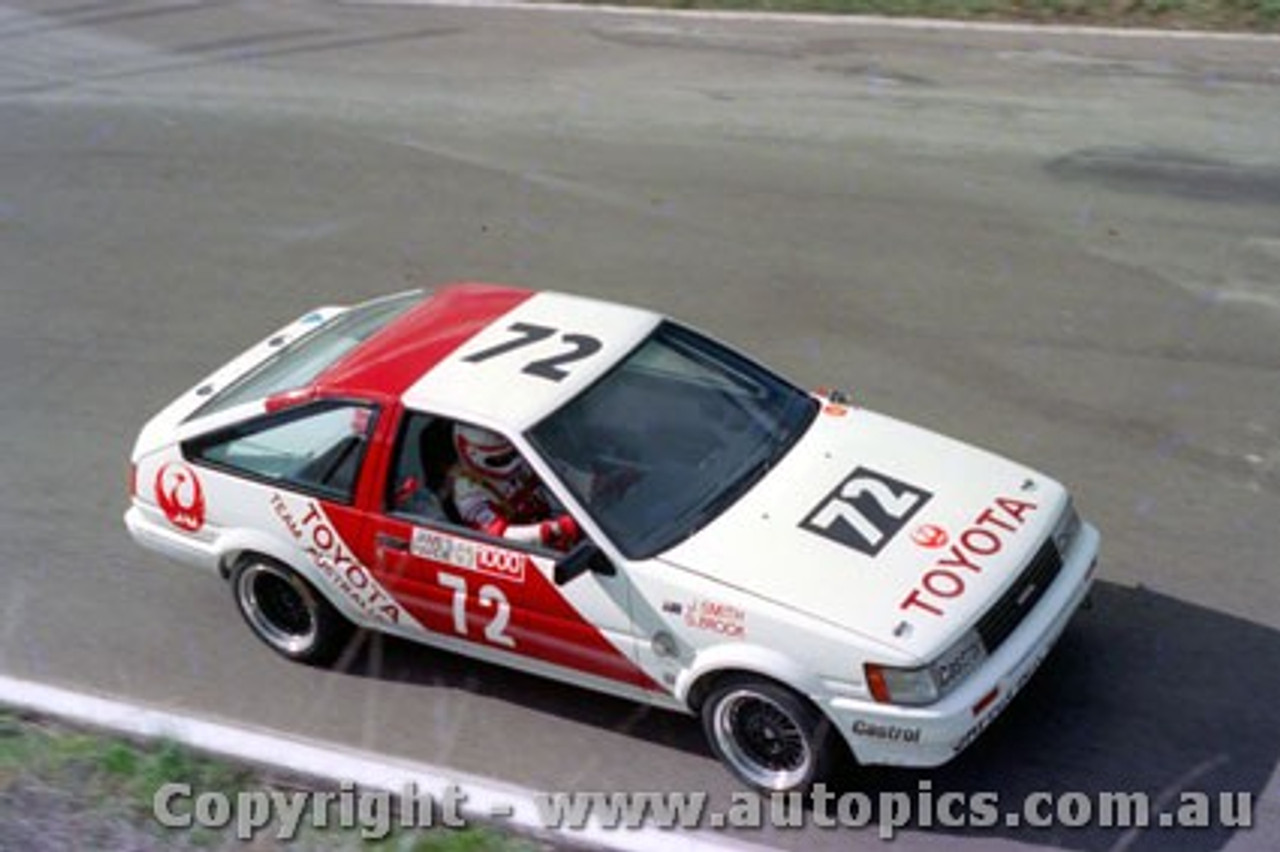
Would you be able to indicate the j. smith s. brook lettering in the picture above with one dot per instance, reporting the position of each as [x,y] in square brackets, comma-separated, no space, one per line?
[984,537]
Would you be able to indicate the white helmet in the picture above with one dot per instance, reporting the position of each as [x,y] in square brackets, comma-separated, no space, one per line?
[486,452]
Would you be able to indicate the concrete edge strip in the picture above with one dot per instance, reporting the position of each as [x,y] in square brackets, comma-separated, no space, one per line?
[488,800]
[941,24]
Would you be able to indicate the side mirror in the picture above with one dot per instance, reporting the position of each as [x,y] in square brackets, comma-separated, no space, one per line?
[584,557]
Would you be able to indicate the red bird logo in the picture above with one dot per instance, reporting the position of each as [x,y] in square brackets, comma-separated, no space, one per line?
[930,535]
[180,497]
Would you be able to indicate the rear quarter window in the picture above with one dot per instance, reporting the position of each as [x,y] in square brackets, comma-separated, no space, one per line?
[316,449]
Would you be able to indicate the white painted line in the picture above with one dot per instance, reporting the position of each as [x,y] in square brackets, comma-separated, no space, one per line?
[486,797]
[938,24]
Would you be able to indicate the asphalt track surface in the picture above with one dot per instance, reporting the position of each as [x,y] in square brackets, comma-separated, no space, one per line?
[1063,248]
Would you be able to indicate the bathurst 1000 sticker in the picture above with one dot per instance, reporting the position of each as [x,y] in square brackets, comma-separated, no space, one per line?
[471,555]
[331,556]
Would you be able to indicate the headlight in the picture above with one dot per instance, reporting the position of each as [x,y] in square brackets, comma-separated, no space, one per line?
[1064,534]
[891,685]
[927,684]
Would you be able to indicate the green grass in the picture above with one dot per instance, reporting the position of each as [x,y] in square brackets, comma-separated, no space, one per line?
[1254,15]
[104,767]
[56,782]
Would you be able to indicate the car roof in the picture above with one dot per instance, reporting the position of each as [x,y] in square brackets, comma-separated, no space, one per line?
[490,354]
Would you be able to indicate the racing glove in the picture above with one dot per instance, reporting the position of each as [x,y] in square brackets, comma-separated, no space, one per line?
[561,533]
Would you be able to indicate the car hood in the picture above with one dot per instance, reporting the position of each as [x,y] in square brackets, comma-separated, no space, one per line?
[891,531]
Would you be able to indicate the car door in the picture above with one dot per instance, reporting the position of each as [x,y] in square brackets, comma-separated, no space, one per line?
[289,483]
[488,596]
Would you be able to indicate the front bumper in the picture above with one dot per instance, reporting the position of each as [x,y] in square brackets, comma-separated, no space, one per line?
[932,735]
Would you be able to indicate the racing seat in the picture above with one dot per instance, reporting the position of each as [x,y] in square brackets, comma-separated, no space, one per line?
[436,452]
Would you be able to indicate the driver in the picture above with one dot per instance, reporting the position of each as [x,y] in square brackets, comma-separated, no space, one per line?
[495,491]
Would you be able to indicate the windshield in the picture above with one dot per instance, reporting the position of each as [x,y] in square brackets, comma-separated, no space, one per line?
[671,437]
[298,364]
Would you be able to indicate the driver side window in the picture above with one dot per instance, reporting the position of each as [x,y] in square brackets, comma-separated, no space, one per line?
[417,486]
[492,494]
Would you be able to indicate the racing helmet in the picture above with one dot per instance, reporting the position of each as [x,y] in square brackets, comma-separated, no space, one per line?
[485,451]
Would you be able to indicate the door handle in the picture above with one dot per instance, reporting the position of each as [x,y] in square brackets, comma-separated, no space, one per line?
[391,542]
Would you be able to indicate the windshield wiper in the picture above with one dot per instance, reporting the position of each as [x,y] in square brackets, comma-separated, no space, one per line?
[780,444]
[723,499]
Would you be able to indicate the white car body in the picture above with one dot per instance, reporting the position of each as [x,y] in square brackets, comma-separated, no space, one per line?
[870,542]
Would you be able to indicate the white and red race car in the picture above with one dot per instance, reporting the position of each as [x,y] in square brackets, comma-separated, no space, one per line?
[798,571]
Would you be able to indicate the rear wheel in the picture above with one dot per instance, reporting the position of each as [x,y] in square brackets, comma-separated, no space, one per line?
[767,735]
[286,612]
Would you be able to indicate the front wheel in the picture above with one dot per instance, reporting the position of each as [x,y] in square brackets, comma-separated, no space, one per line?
[287,613]
[768,736]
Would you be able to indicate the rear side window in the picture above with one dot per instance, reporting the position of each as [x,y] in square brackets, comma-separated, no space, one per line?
[298,364]
[316,449]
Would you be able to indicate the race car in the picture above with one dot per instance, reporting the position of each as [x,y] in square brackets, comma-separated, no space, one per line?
[680,525]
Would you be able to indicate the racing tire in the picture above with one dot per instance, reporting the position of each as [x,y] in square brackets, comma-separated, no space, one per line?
[768,736]
[287,613]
